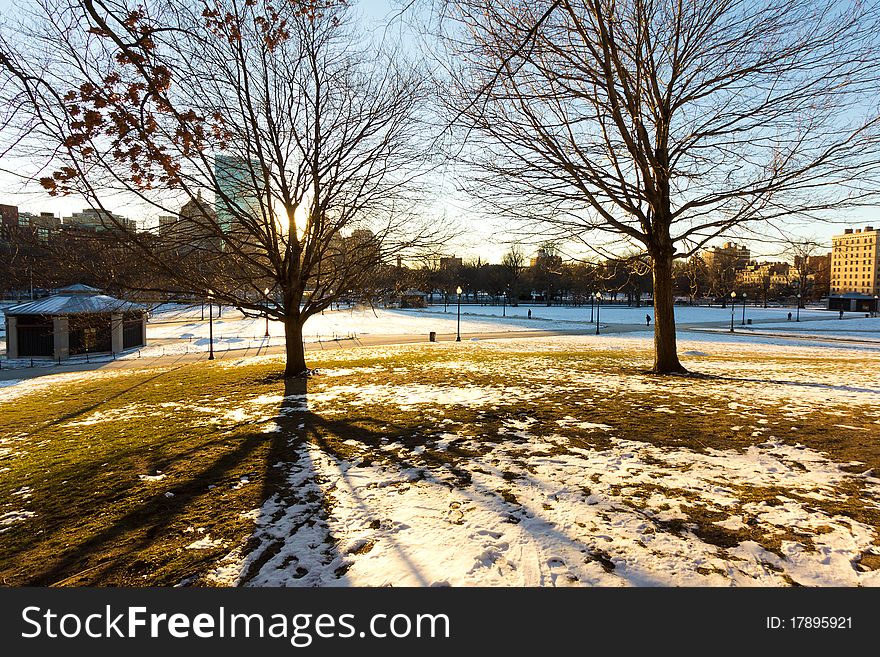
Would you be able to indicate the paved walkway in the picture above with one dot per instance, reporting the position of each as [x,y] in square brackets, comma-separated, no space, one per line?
[171,360]
[8,374]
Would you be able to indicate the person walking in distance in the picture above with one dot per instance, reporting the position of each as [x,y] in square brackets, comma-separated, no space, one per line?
[841,315]
[789,317]
[530,313]
[647,320]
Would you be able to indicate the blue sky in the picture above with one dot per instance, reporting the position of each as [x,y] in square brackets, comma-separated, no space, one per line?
[480,237]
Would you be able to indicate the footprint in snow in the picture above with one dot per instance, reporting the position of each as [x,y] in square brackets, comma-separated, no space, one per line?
[559,574]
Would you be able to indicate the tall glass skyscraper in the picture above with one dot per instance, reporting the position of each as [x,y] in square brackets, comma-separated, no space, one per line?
[236,194]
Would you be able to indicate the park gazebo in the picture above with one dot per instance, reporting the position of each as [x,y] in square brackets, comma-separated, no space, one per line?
[76,320]
[413,299]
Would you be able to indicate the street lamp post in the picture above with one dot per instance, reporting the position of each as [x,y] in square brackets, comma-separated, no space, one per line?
[458,324]
[598,302]
[210,325]
[266,292]
[798,308]
[744,308]
[732,306]
[504,307]
[592,299]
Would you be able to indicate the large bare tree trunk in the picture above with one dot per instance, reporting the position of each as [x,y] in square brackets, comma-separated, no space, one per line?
[665,353]
[274,114]
[296,356]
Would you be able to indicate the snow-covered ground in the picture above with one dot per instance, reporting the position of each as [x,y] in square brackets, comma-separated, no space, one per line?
[575,499]
[232,331]
[855,326]
[179,329]
[563,520]
[529,507]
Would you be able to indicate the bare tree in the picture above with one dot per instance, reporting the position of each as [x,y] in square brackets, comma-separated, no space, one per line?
[811,260]
[663,122]
[292,144]
[721,271]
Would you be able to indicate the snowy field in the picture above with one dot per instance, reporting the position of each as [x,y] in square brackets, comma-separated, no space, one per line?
[189,333]
[176,329]
[855,326]
[533,462]
[522,501]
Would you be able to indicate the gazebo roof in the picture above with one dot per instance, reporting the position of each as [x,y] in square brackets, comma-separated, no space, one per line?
[74,300]
[79,288]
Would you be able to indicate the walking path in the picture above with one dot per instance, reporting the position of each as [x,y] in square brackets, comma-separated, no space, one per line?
[275,345]
[129,362]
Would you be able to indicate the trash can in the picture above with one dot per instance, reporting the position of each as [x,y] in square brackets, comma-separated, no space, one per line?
[432,336]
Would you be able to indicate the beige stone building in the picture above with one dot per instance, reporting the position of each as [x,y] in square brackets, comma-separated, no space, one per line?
[770,274]
[855,266]
[729,254]
[855,270]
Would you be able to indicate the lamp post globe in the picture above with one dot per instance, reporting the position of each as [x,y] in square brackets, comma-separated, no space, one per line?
[266,293]
[732,306]
[458,321]
[210,325]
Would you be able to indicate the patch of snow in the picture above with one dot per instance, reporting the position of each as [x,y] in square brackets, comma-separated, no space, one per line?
[151,478]
[205,543]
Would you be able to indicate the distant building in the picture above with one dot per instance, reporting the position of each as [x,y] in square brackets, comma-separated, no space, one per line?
[815,272]
[167,224]
[361,249]
[450,262]
[43,226]
[729,254]
[813,264]
[235,195]
[14,223]
[855,270]
[8,222]
[8,217]
[77,320]
[97,221]
[770,274]
[195,228]
[546,260]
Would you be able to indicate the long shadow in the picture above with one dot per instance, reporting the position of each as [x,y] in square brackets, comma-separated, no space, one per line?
[93,471]
[90,407]
[318,430]
[115,547]
[272,549]
[297,497]
[140,526]
[292,543]
[429,461]
[274,545]
[783,382]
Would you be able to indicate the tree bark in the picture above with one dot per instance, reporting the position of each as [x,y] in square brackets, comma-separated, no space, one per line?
[295,351]
[665,350]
